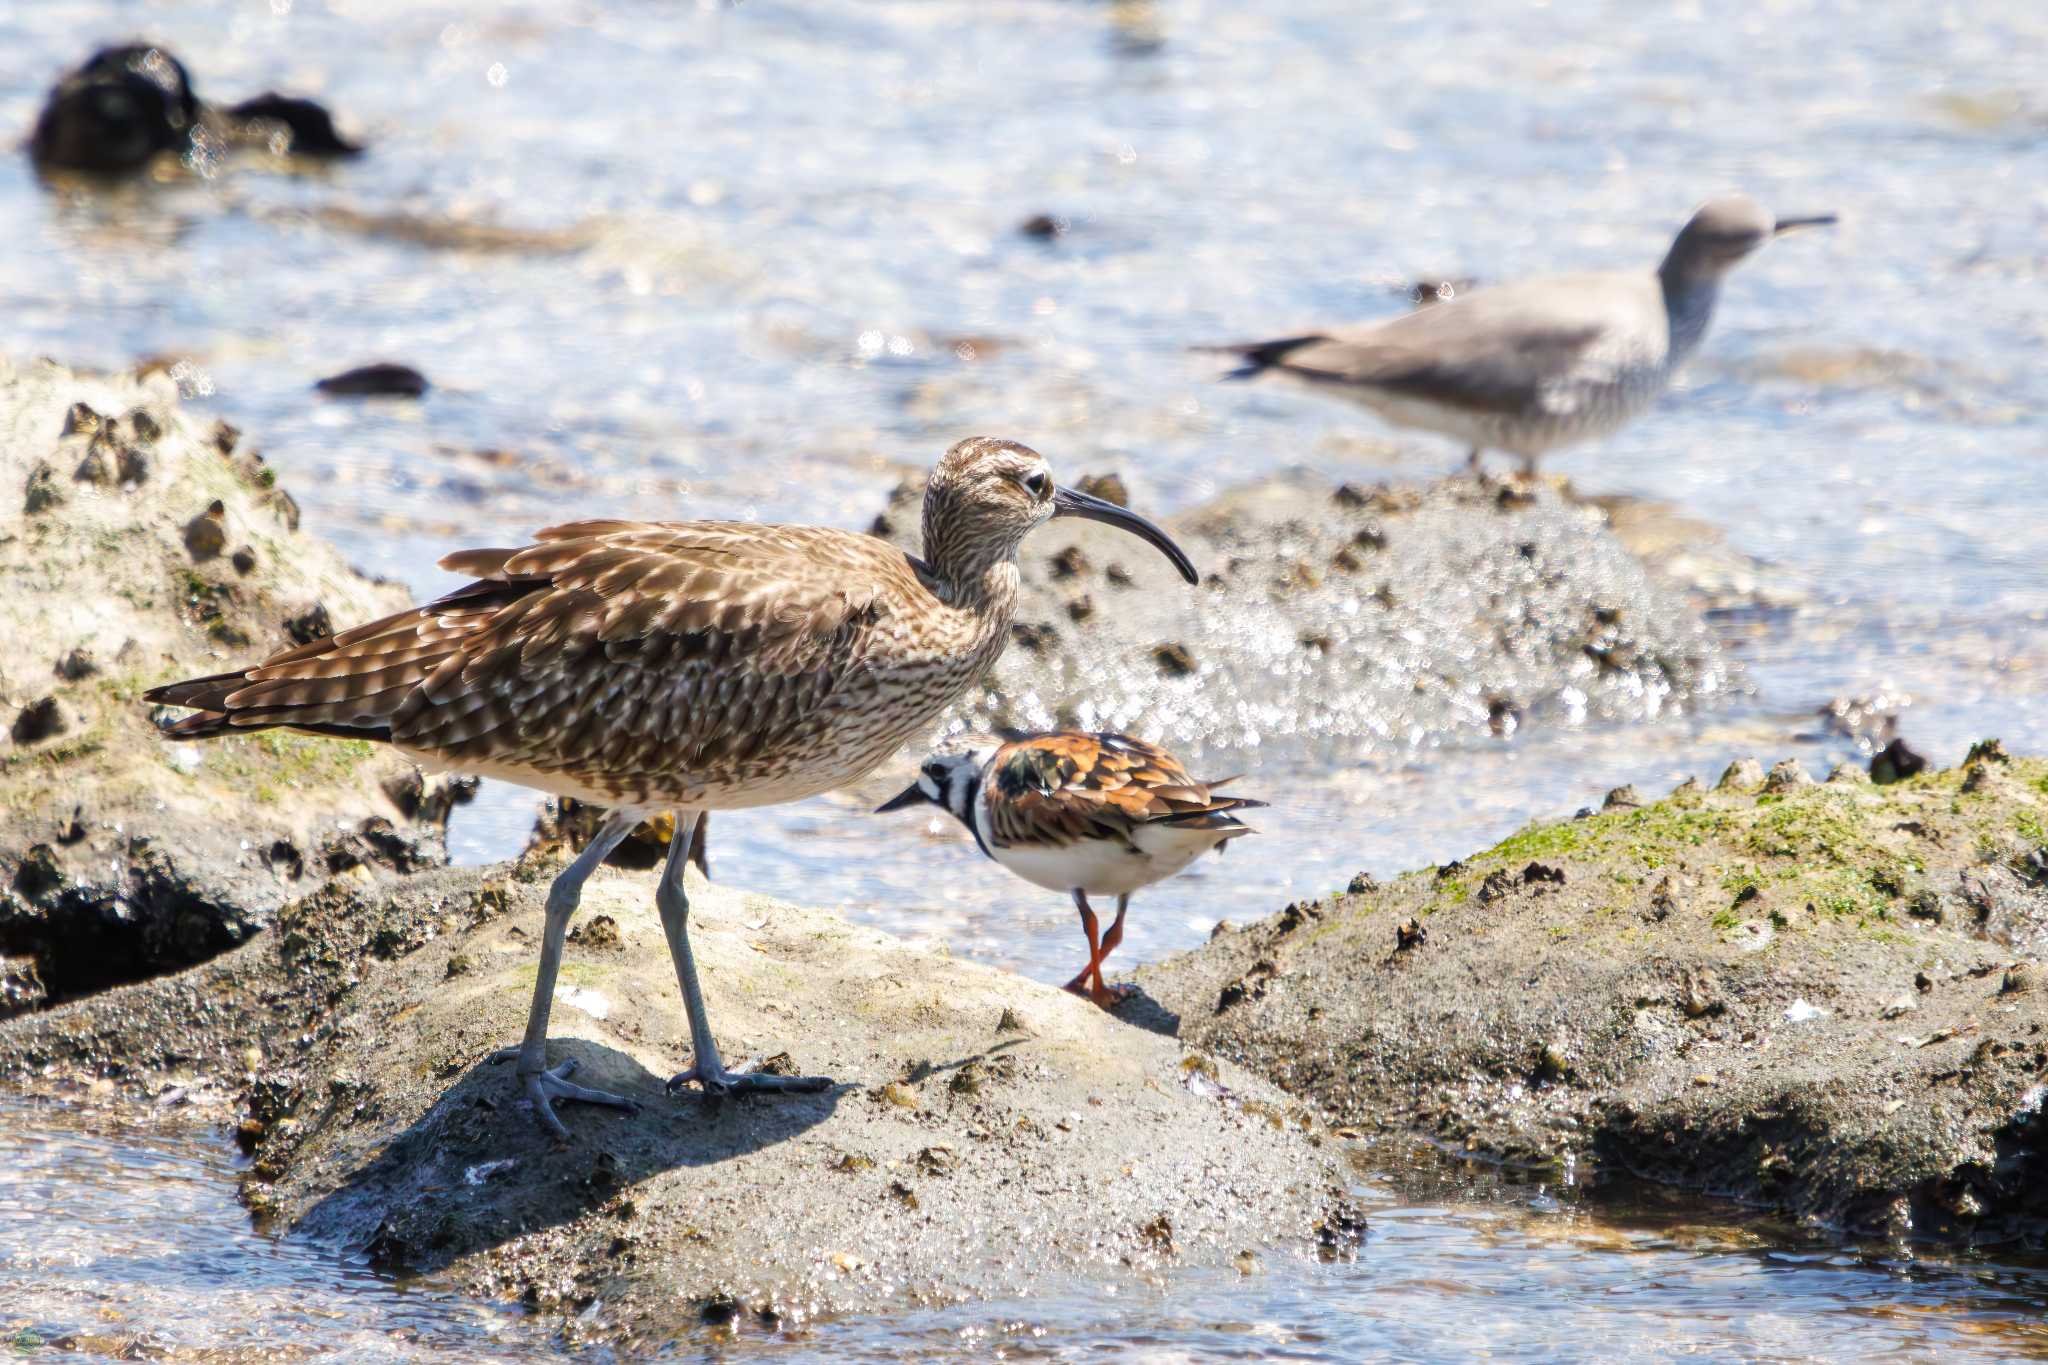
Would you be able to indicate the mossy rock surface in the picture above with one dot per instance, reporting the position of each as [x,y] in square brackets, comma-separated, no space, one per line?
[1819,997]
[140,543]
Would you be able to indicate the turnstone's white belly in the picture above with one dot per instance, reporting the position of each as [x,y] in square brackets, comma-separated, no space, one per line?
[1104,867]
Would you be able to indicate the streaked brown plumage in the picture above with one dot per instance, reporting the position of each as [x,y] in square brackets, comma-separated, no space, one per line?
[1083,813]
[694,665]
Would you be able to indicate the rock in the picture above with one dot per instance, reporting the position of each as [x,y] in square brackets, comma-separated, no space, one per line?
[77,664]
[1045,227]
[309,625]
[1108,487]
[206,535]
[1620,1014]
[1623,798]
[1425,292]
[21,986]
[41,489]
[568,825]
[1744,774]
[1340,622]
[382,380]
[1986,751]
[131,108]
[384,1130]
[1896,762]
[41,720]
[1786,775]
[155,850]
[292,127]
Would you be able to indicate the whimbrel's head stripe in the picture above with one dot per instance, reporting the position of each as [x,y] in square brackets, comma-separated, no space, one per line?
[987,494]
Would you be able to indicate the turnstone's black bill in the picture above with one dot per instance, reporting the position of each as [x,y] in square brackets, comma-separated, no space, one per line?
[1086,814]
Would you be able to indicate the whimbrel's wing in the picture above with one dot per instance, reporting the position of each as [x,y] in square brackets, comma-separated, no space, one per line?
[1064,787]
[1514,349]
[609,649]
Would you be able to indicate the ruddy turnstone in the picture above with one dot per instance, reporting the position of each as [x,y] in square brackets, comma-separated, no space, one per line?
[1088,814]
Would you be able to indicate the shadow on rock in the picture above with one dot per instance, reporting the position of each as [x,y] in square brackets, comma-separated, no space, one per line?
[1141,1009]
[476,1170]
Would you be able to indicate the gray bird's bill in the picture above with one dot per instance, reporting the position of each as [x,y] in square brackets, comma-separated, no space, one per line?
[1067,503]
[1784,225]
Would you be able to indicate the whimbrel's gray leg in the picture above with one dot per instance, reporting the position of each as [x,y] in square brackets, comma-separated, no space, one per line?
[543,1086]
[1472,460]
[1528,466]
[707,1069]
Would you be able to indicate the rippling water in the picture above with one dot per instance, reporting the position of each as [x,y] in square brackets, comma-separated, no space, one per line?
[121,1239]
[704,259]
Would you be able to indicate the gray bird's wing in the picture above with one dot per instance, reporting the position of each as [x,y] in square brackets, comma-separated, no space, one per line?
[1511,349]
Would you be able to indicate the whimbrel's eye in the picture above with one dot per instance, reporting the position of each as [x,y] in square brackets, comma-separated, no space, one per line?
[1038,485]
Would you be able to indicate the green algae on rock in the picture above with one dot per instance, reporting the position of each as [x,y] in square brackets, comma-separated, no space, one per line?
[1789,992]
[146,545]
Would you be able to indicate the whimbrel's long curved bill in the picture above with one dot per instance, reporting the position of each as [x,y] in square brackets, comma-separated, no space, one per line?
[1067,503]
[1785,225]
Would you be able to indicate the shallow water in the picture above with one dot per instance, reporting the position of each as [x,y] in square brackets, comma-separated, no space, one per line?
[121,1239]
[755,260]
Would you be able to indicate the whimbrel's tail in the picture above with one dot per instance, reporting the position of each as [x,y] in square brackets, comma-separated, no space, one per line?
[349,685]
[1260,356]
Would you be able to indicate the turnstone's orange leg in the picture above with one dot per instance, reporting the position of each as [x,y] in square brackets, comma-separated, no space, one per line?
[1105,995]
[1089,926]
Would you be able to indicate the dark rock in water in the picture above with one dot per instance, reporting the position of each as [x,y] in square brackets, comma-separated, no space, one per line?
[1343,626]
[129,105]
[382,380]
[1773,935]
[1045,227]
[1896,762]
[116,113]
[303,127]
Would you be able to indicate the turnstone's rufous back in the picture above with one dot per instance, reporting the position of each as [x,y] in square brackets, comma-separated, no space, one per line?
[1088,814]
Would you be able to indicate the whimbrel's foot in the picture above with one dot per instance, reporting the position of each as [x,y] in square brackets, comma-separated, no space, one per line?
[721,1083]
[546,1087]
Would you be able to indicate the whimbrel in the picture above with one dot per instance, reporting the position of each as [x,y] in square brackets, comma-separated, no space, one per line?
[1086,814]
[1524,368]
[691,666]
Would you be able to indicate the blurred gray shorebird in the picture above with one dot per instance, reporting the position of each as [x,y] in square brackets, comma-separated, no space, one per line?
[1527,367]
[692,666]
[1088,814]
